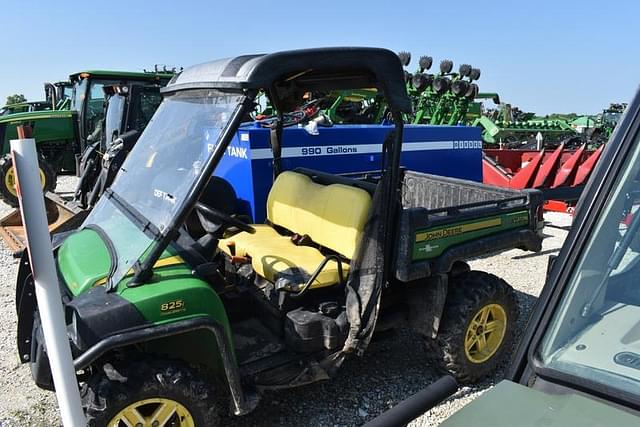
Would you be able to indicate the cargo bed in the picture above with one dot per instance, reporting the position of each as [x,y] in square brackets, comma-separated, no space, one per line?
[447,219]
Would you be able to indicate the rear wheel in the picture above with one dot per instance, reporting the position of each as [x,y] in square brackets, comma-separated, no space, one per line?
[477,326]
[150,393]
[8,180]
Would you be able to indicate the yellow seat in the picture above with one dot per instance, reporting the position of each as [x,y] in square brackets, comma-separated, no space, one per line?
[333,216]
[242,241]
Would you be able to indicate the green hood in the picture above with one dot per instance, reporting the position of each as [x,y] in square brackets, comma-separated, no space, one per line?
[83,261]
[509,404]
[36,115]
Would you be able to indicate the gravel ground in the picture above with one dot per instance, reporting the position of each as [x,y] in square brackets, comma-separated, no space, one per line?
[392,369]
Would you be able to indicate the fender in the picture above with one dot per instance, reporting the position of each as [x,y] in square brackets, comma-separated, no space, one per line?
[242,402]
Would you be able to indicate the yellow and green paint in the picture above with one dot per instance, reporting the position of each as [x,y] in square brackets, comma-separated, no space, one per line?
[432,242]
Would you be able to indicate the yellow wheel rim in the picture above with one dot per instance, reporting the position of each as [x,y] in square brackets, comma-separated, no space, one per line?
[155,412]
[10,180]
[485,333]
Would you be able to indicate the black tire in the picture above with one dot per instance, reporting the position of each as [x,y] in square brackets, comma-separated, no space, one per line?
[468,294]
[7,175]
[114,389]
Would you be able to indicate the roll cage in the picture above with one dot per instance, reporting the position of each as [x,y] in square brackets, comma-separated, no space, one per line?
[286,77]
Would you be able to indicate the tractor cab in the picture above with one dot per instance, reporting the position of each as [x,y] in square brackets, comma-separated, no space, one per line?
[58,94]
[88,97]
[127,111]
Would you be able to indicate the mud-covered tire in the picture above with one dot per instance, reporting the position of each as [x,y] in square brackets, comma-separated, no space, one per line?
[469,294]
[113,390]
[7,179]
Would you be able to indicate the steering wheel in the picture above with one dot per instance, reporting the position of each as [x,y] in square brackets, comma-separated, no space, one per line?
[223,217]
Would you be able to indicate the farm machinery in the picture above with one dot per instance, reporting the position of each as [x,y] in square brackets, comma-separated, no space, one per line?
[442,98]
[63,134]
[559,173]
[517,134]
[127,110]
[606,123]
[176,305]
[57,97]
[577,361]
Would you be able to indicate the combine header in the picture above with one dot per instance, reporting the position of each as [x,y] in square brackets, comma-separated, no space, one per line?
[559,173]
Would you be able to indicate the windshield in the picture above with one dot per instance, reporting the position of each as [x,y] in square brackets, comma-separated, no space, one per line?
[143,103]
[113,119]
[595,333]
[67,92]
[611,118]
[78,94]
[162,168]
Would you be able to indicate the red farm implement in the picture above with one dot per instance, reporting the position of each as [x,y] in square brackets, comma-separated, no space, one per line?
[560,174]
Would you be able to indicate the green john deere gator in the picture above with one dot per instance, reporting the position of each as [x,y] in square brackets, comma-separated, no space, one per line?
[175,305]
[62,134]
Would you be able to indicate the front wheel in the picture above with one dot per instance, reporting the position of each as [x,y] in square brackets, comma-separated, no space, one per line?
[149,393]
[477,326]
[8,192]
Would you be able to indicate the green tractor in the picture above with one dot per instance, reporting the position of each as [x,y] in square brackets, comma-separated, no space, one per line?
[62,134]
[57,97]
[606,123]
[176,305]
[128,109]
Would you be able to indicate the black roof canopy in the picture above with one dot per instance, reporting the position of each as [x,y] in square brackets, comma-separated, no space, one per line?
[290,73]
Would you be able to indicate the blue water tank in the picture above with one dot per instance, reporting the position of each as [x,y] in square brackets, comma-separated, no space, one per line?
[454,151]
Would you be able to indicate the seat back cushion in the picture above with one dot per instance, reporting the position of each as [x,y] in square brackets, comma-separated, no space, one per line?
[332,215]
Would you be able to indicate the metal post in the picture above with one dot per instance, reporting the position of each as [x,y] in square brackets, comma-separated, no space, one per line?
[34,218]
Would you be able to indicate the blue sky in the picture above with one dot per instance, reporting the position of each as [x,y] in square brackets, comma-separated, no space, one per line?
[544,56]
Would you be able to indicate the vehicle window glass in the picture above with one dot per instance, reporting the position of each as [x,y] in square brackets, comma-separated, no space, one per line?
[94,112]
[145,102]
[596,332]
[113,119]
[79,92]
[68,92]
[163,166]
